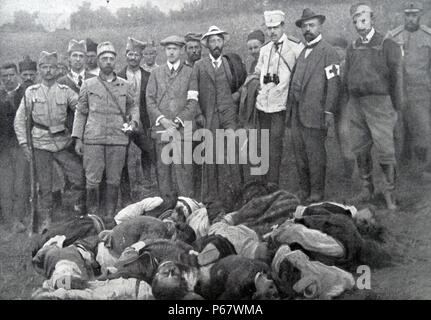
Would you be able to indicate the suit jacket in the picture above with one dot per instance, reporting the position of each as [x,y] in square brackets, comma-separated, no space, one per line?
[167,95]
[203,81]
[145,75]
[67,80]
[7,115]
[315,91]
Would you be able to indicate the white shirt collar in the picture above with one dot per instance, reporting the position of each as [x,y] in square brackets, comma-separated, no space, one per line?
[369,36]
[217,61]
[76,75]
[175,65]
[318,38]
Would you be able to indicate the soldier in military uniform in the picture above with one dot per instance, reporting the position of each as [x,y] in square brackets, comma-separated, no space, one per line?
[47,103]
[105,116]
[415,42]
[275,65]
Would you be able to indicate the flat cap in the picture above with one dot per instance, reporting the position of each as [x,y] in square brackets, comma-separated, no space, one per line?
[105,47]
[48,57]
[273,18]
[192,36]
[75,45]
[27,64]
[91,45]
[135,45]
[175,40]
[413,6]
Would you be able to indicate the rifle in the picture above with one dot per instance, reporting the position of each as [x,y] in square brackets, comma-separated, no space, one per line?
[34,187]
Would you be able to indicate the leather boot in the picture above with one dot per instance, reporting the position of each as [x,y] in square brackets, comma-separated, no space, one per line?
[365,166]
[389,191]
[93,200]
[111,200]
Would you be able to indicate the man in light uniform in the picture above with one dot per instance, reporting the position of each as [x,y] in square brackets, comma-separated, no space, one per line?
[47,104]
[275,65]
[415,42]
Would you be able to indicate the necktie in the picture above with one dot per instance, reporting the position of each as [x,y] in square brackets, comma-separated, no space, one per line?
[277,45]
[215,65]
[172,71]
[80,81]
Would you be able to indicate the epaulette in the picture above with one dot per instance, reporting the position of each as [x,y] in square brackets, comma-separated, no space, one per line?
[395,32]
[426,29]
[293,39]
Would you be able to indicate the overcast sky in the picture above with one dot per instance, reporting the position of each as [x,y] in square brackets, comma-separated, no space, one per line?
[66,7]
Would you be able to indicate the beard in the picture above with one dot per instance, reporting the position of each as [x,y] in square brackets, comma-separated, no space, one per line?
[194,57]
[412,26]
[216,52]
[107,70]
[310,36]
[27,83]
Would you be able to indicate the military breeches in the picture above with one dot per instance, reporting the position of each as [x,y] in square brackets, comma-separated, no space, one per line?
[103,158]
[417,114]
[310,157]
[275,123]
[373,120]
[174,178]
[71,165]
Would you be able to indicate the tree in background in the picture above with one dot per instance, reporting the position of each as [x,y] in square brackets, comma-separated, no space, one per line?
[23,21]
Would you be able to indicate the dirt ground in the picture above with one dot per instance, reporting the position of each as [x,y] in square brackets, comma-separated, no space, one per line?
[407,235]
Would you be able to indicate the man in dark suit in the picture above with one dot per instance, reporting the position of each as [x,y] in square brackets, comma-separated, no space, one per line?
[313,97]
[210,89]
[14,189]
[134,73]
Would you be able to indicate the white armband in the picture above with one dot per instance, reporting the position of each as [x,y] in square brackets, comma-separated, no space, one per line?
[192,95]
[158,120]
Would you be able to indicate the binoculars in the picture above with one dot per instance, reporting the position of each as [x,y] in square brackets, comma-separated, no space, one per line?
[268,79]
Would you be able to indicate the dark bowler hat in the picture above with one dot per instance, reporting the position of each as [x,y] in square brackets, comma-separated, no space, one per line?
[308,14]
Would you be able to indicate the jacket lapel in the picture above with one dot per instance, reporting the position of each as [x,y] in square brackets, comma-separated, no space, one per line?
[209,68]
[72,83]
[313,60]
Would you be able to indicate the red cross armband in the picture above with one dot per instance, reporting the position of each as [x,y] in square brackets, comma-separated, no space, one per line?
[332,71]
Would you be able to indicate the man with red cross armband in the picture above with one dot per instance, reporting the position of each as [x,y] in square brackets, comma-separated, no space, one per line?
[374,84]
[312,99]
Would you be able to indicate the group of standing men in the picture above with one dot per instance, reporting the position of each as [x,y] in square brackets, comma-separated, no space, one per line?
[83,122]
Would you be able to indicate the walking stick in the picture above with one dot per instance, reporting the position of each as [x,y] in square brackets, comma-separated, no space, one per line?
[33,180]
